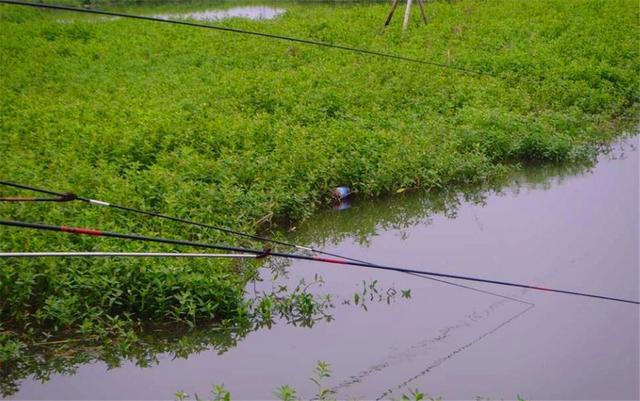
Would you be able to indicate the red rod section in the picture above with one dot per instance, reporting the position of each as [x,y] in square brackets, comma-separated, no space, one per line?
[329,260]
[79,230]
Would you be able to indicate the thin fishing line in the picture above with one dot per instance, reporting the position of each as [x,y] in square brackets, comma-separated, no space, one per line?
[246,32]
[386,395]
[71,196]
[475,289]
[392,358]
[268,252]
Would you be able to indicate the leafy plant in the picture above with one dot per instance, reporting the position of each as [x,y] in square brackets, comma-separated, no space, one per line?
[321,371]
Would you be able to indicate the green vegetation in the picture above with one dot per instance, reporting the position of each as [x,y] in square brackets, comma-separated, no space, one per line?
[286,392]
[245,132]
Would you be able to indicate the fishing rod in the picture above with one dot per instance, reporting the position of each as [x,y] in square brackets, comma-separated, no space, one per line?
[61,198]
[67,197]
[268,252]
[124,255]
[73,197]
[245,32]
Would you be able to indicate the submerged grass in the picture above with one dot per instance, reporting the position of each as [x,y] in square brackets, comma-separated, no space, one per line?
[236,131]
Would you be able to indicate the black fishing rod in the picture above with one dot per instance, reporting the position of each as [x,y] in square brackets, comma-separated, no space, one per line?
[245,32]
[67,197]
[268,252]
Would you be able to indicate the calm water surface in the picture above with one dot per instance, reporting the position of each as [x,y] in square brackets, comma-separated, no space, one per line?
[211,11]
[248,12]
[566,228]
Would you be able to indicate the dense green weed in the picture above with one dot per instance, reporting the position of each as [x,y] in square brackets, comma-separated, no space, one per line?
[243,132]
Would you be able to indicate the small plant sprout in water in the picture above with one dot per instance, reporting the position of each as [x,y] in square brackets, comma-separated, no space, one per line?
[297,306]
[286,393]
[371,292]
[321,372]
[414,395]
[220,393]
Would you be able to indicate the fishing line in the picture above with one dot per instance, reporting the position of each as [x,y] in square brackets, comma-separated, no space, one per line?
[268,252]
[246,32]
[386,394]
[395,358]
[71,196]
[475,289]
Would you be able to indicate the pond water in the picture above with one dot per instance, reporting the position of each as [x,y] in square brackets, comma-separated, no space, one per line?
[211,11]
[574,228]
[248,12]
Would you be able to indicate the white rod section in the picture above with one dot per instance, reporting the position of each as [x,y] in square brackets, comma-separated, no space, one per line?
[122,254]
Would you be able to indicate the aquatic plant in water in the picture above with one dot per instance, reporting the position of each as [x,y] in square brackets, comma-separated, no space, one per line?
[322,371]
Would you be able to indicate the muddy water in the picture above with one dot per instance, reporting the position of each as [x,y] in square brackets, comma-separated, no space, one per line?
[569,228]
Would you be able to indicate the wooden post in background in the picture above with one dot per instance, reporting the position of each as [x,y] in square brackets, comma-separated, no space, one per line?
[422,11]
[407,13]
[393,9]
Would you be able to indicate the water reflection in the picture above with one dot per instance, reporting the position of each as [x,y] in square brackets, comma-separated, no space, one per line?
[145,346]
[362,219]
[342,204]
[64,356]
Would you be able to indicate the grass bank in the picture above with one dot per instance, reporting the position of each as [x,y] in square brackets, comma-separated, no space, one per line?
[236,130]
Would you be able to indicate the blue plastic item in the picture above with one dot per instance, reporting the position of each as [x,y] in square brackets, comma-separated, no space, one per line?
[341,192]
